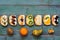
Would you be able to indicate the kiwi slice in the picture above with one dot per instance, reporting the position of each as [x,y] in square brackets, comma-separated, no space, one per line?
[31,23]
[30,16]
[47,17]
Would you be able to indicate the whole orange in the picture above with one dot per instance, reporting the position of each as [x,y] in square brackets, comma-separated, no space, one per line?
[23,31]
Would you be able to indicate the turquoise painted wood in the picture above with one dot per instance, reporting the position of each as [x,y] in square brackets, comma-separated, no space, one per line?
[31,2]
[26,7]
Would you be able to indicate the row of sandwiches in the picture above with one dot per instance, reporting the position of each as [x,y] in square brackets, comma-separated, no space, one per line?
[29,20]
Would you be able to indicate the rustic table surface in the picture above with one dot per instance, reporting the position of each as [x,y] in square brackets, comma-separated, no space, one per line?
[26,7]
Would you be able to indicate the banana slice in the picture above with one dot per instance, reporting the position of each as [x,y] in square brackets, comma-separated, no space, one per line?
[38,20]
[55,20]
[13,20]
[21,19]
[47,20]
[4,20]
[29,20]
